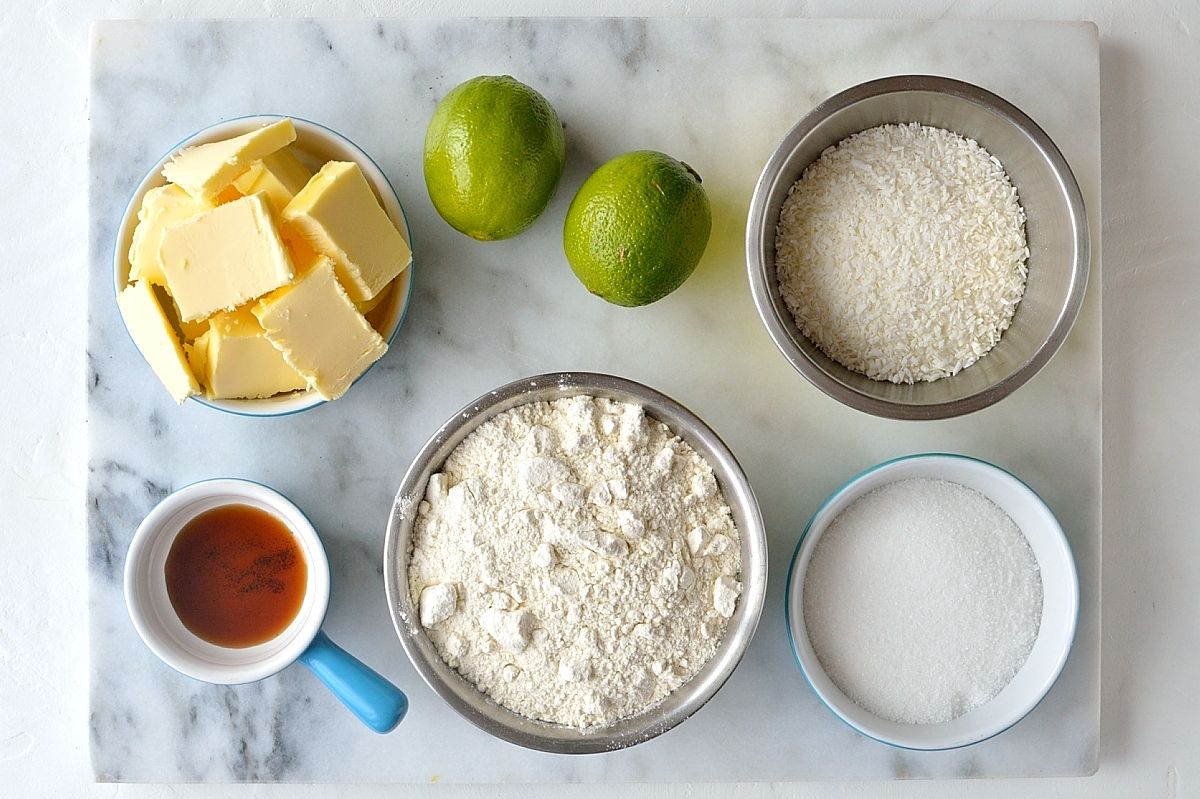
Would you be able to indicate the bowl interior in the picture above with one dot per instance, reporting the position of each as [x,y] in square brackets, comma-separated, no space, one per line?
[155,618]
[1055,231]
[464,697]
[315,144]
[1060,603]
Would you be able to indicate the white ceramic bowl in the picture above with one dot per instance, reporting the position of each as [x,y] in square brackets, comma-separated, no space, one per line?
[318,144]
[1060,603]
[154,617]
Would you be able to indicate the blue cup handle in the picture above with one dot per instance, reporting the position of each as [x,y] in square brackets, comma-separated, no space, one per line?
[377,703]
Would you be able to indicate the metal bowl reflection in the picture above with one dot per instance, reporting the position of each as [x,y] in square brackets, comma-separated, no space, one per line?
[463,696]
[1056,229]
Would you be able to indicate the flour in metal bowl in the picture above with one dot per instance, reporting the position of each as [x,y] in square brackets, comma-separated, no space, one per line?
[922,600]
[575,560]
[901,252]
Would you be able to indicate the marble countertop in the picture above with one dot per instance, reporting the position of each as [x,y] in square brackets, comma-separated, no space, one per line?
[483,314]
[1149,718]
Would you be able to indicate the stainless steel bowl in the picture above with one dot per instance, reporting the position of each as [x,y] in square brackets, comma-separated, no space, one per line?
[464,697]
[1056,229]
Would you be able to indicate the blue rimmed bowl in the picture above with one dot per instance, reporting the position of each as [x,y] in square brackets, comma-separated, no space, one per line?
[315,144]
[1060,603]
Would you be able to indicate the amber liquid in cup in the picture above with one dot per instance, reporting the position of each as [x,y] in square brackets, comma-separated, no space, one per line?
[236,576]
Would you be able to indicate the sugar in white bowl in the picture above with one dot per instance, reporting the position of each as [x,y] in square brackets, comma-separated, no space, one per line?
[881,614]
[922,600]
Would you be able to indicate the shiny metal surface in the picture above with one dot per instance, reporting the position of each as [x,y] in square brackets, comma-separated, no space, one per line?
[473,704]
[1056,228]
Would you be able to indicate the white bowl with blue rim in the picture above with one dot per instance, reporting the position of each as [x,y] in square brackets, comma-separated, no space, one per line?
[1060,603]
[375,701]
[315,144]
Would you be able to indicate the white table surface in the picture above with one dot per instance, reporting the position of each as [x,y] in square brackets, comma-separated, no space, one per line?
[1150,740]
[485,314]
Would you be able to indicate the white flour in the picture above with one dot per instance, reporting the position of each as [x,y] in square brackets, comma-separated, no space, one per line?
[575,560]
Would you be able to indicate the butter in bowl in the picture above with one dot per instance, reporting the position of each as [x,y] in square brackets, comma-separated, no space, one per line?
[263,267]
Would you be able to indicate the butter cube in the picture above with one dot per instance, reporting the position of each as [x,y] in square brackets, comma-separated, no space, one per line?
[196,354]
[228,195]
[161,207]
[236,360]
[339,215]
[206,170]
[304,257]
[192,330]
[224,258]
[154,336]
[279,175]
[319,331]
[365,307]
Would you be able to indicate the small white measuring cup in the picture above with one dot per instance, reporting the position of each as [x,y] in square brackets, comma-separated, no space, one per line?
[379,704]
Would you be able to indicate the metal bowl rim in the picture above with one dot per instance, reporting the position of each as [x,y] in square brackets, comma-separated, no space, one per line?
[763,292]
[753,575]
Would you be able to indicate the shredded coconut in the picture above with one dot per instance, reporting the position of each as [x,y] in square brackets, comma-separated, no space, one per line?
[922,600]
[575,560]
[901,252]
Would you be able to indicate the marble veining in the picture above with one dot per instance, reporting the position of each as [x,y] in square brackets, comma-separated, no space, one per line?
[718,94]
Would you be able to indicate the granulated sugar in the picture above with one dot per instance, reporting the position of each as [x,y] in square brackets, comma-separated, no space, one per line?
[922,600]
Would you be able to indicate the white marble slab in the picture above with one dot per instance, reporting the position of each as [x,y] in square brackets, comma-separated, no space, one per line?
[718,94]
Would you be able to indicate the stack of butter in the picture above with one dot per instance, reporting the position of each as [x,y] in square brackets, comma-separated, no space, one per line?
[250,276]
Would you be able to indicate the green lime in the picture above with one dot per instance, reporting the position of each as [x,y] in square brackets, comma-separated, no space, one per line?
[637,228]
[494,152]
